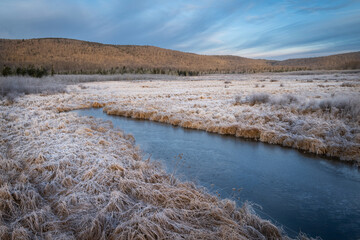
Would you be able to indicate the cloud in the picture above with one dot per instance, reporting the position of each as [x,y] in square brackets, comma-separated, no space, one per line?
[259,18]
[318,8]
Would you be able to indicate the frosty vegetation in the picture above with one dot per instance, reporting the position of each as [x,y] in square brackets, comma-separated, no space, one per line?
[68,177]
[314,113]
[12,87]
[63,176]
[342,106]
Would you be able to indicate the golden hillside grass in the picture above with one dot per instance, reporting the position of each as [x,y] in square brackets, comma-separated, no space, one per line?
[74,56]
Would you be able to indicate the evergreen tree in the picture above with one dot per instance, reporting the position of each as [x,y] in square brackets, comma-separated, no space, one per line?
[6,71]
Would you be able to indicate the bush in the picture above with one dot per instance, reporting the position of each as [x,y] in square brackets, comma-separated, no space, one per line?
[30,71]
[347,84]
[340,106]
[237,99]
[347,106]
[14,86]
[257,98]
[286,99]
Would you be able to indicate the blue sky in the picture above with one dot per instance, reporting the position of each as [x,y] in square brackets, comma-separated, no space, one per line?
[255,29]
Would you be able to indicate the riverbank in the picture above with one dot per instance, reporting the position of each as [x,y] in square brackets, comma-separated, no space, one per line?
[68,177]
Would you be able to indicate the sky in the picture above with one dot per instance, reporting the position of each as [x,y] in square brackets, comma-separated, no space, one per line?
[255,29]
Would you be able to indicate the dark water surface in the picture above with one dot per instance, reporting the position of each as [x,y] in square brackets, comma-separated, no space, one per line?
[301,192]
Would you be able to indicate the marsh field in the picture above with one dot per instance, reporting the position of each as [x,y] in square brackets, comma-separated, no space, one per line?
[64,175]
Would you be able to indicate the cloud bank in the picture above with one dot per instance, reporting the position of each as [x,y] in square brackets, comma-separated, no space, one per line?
[256,29]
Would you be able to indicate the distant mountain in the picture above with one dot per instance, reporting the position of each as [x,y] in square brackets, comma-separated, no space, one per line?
[75,56]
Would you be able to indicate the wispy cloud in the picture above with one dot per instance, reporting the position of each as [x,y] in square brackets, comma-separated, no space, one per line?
[262,29]
[333,6]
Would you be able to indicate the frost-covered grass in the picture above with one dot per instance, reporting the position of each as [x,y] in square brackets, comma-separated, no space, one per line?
[68,177]
[57,83]
[344,106]
[12,87]
[15,86]
[75,79]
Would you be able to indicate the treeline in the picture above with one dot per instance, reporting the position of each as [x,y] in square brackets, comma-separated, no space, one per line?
[179,72]
[45,71]
[139,70]
[27,71]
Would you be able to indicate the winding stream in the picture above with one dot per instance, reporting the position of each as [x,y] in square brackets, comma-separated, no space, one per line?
[301,192]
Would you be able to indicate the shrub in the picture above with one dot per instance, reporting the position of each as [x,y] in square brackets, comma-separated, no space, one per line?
[286,99]
[237,99]
[347,106]
[258,98]
[347,84]
[342,106]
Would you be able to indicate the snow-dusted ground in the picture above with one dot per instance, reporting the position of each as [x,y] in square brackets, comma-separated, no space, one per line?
[64,176]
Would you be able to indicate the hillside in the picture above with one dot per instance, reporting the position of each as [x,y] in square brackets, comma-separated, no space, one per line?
[339,61]
[75,56]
